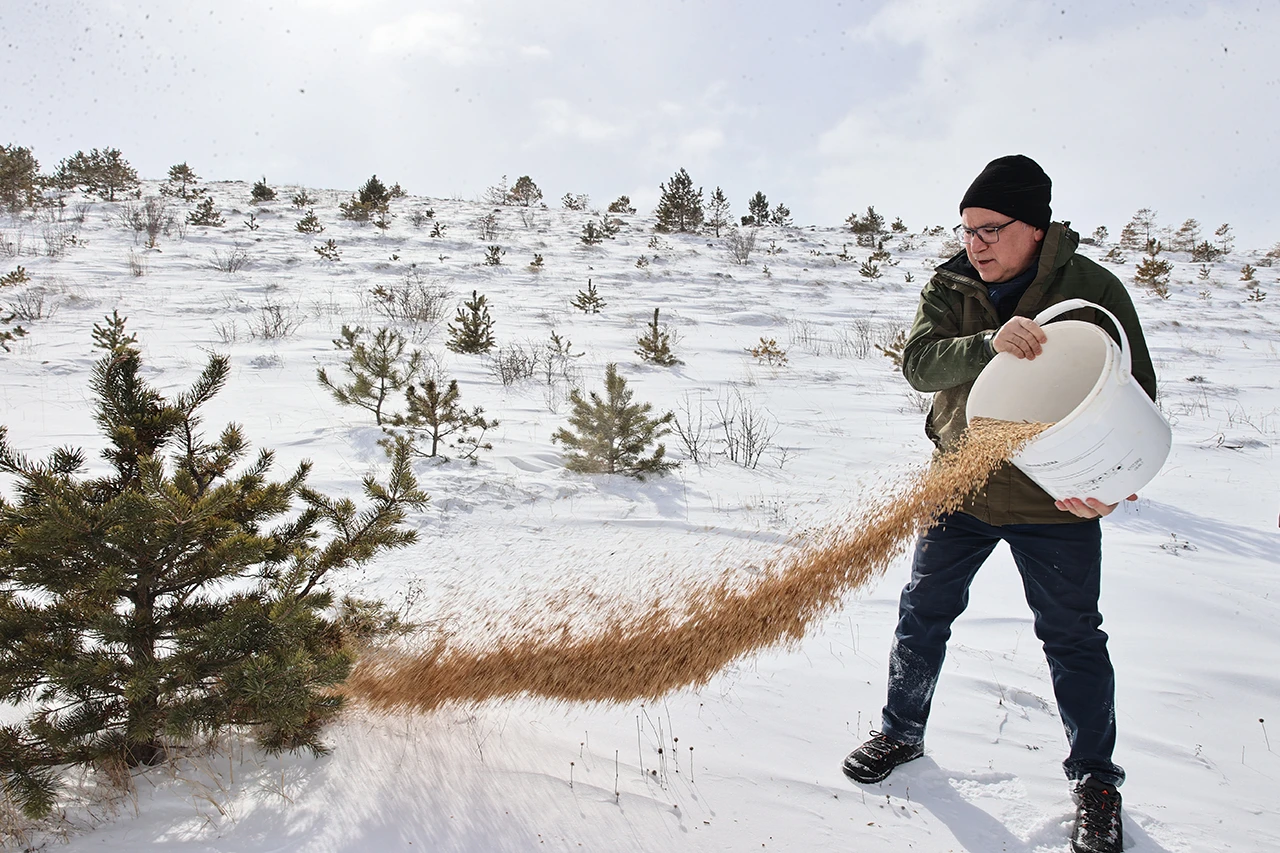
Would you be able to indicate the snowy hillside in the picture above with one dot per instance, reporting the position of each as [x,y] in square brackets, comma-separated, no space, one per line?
[751,761]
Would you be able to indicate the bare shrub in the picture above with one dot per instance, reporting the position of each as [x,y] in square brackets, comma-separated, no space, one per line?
[515,363]
[558,362]
[137,264]
[236,259]
[805,334]
[740,242]
[150,216]
[11,245]
[274,322]
[746,430]
[413,299]
[487,226]
[528,216]
[857,340]
[691,426]
[33,304]
[918,402]
[228,332]
[57,237]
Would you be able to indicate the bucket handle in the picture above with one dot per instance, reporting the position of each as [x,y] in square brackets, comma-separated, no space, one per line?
[1126,365]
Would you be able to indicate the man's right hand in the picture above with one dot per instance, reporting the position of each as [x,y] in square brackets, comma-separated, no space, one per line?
[1021,337]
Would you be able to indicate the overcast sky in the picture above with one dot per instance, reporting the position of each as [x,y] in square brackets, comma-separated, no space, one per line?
[824,106]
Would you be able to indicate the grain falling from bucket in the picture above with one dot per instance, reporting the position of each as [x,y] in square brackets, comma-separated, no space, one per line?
[654,652]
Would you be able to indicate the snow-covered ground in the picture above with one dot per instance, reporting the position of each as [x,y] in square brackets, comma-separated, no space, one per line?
[751,760]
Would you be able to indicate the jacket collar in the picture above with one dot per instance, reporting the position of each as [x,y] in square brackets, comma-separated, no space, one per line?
[1059,246]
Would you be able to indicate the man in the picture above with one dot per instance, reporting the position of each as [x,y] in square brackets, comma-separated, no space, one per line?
[1015,263]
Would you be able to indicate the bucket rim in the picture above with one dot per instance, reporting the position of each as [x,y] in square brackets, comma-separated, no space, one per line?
[1105,375]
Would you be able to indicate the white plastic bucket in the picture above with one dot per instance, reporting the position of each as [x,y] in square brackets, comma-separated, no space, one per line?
[1108,439]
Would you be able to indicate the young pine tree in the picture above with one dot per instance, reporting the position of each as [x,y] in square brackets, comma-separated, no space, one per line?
[309,224]
[1186,237]
[262,191]
[376,369]
[524,193]
[621,204]
[758,209]
[432,415]
[206,213]
[20,180]
[372,199]
[1138,231]
[181,183]
[473,332]
[172,596]
[717,211]
[1226,238]
[655,345]
[612,435]
[680,205]
[101,173]
[588,301]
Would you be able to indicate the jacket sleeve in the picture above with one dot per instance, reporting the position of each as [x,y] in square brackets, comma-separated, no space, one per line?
[937,355]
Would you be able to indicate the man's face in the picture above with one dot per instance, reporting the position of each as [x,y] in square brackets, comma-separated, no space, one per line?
[1010,255]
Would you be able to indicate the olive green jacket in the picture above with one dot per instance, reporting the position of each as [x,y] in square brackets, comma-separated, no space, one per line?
[947,349]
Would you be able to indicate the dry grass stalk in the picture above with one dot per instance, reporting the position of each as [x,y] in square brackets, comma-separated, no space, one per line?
[650,654]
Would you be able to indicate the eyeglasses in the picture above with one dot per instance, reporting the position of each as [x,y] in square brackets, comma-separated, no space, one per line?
[987,233]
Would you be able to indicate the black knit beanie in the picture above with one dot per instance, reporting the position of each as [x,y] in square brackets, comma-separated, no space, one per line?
[1015,186]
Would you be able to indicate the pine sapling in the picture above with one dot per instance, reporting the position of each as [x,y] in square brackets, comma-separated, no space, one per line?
[18,276]
[588,301]
[768,352]
[612,435]
[182,182]
[655,345]
[261,192]
[206,213]
[680,205]
[376,369]
[591,234]
[8,336]
[177,594]
[431,416]
[309,224]
[472,328]
[328,251]
[717,212]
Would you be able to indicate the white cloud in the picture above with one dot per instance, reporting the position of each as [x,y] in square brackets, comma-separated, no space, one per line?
[1157,111]
[700,143]
[446,36]
[559,118]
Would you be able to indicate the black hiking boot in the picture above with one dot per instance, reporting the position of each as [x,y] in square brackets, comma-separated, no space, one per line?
[1097,827]
[876,758]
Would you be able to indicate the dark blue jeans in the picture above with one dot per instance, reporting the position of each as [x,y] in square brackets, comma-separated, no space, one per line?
[1061,567]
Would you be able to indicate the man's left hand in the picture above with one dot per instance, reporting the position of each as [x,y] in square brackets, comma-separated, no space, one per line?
[1088,507]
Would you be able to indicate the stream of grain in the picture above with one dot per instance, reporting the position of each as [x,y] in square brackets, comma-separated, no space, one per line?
[656,651]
